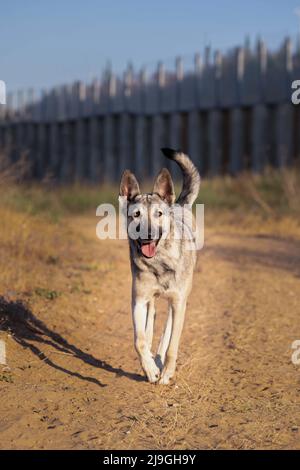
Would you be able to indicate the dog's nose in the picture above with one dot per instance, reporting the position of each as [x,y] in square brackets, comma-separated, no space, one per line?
[146,235]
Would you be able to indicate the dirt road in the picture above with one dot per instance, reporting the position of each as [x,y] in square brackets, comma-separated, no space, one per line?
[74,379]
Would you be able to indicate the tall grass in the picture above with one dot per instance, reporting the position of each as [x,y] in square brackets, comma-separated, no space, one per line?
[275,192]
[30,243]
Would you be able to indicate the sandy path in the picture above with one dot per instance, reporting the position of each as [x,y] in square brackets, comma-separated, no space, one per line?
[77,382]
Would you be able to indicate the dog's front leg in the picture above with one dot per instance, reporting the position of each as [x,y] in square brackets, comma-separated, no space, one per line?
[178,314]
[150,322]
[139,321]
[164,341]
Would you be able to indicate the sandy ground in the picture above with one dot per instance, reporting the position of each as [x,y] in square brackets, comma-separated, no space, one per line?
[74,379]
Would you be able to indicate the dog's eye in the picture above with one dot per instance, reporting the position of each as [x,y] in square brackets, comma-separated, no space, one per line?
[159,213]
[136,214]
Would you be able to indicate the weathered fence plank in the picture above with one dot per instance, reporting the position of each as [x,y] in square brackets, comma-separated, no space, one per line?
[125,142]
[194,136]
[236,158]
[260,113]
[95,130]
[67,172]
[284,135]
[139,147]
[259,138]
[108,167]
[41,150]
[54,150]
[236,162]
[158,139]
[215,142]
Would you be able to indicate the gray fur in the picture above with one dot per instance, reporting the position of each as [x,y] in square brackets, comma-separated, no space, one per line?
[169,272]
[191,177]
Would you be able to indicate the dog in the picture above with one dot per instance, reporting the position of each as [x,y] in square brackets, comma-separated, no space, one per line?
[161,263]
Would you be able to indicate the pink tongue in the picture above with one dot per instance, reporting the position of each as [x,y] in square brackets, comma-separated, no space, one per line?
[149,250]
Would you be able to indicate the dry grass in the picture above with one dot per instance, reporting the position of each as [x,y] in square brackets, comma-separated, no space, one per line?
[273,193]
[29,244]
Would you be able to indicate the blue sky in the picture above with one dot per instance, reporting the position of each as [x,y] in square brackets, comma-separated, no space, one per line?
[44,43]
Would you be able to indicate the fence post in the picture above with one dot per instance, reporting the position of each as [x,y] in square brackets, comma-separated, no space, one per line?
[109,156]
[30,134]
[126,152]
[194,136]
[95,134]
[66,173]
[194,123]
[8,139]
[95,137]
[175,131]
[284,135]
[20,124]
[41,138]
[53,144]
[236,158]
[66,136]
[175,121]
[158,131]
[215,123]
[284,115]
[174,139]
[260,114]
[140,129]
[80,138]
[53,135]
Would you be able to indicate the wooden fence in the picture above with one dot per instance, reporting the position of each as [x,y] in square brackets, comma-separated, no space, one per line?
[230,113]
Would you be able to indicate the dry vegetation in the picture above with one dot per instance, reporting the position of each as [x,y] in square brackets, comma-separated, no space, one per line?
[72,378]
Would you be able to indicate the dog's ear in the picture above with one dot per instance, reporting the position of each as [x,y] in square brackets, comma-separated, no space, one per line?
[164,187]
[129,186]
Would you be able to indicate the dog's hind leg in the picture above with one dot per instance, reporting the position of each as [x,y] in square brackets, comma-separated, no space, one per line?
[164,341]
[150,322]
[178,313]
[139,320]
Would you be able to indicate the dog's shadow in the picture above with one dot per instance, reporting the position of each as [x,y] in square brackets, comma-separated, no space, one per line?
[30,332]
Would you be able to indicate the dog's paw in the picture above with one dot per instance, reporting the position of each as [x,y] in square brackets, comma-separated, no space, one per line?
[165,377]
[151,370]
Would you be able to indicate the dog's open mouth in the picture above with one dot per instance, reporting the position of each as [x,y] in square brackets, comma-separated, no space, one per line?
[148,248]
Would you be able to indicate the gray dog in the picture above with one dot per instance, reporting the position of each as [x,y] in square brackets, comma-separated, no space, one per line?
[162,263]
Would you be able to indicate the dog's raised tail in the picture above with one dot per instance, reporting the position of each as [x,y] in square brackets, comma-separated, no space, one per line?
[191,176]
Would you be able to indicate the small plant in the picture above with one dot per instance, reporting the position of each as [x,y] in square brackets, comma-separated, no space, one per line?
[46,293]
[5,377]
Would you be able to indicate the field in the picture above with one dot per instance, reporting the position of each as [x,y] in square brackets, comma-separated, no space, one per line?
[72,378]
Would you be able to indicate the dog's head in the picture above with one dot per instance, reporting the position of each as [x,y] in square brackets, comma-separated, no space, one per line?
[148,214]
